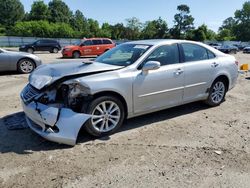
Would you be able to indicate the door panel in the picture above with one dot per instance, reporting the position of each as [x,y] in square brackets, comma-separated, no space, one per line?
[158,89]
[198,77]
[198,71]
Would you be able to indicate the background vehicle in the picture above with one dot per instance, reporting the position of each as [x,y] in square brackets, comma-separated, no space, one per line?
[228,49]
[215,45]
[132,79]
[88,47]
[51,46]
[18,61]
[246,50]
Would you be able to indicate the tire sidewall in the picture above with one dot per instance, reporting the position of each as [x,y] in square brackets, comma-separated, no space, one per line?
[89,110]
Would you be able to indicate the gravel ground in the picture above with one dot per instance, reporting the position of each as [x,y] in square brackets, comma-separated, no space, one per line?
[187,146]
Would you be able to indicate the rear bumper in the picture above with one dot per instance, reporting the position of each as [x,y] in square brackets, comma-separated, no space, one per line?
[55,124]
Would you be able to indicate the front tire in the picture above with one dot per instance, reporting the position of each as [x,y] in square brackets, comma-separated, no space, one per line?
[217,93]
[76,54]
[107,116]
[25,66]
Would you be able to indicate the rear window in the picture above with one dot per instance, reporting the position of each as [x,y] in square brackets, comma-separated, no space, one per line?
[97,42]
[105,41]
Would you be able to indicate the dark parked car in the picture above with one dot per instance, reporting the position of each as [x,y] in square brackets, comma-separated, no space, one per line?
[229,49]
[246,50]
[42,45]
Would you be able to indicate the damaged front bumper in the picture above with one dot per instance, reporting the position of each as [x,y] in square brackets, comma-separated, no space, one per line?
[53,122]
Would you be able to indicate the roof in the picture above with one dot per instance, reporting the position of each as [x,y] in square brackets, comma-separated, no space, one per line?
[158,41]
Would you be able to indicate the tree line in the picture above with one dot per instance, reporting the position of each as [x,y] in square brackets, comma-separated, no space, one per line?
[56,20]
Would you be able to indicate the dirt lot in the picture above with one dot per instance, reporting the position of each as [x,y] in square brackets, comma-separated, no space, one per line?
[187,146]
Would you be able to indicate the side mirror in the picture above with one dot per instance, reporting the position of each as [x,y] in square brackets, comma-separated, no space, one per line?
[82,44]
[151,65]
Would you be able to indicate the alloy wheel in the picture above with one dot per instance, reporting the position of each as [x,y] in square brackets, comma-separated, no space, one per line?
[106,116]
[218,92]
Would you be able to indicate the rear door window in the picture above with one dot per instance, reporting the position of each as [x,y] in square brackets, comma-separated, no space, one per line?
[193,52]
[97,42]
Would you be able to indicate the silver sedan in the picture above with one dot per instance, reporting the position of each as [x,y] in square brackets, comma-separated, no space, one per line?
[132,79]
[18,61]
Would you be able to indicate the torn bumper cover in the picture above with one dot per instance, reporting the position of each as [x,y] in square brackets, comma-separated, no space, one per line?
[55,124]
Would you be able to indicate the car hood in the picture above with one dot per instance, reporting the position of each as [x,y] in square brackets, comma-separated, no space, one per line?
[46,75]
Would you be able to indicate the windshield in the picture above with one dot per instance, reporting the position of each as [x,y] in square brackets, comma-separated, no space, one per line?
[123,55]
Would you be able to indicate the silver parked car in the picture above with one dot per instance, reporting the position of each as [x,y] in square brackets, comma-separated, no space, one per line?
[18,61]
[132,79]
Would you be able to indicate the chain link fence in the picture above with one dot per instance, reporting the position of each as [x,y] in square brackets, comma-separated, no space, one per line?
[9,41]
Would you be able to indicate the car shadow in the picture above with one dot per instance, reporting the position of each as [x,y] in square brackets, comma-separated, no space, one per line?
[26,141]
[13,73]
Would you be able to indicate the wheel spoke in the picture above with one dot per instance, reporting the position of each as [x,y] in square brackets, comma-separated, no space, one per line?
[102,126]
[98,121]
[114,117]
[100,110]
[107,125]
[104,106]
[114,110]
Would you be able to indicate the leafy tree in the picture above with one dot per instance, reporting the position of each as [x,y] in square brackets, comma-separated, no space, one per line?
[118,31]
[42,29]
[133,28]
[106,30]
[156,29]
[228,23]
[242,28]
[225,35]
[183,22]
[11,11]
[80,23]
[59,12]
[93,28]
[39,11]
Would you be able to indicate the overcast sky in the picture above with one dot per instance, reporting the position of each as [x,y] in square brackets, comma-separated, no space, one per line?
[210,12]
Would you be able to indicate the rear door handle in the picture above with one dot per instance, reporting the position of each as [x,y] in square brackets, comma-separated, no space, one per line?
[215,64]
[178,71]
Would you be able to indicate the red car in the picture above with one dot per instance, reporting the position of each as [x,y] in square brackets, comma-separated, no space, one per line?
[88,47]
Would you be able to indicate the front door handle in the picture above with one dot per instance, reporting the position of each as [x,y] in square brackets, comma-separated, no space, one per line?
[215,64]
[178,72]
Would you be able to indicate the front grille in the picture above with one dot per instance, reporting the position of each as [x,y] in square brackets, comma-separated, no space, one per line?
[29,92]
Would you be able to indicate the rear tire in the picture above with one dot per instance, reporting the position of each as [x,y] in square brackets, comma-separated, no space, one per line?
[25,66]
[55,50]
[109,116]
[76,54]
[30,50]
[217,93]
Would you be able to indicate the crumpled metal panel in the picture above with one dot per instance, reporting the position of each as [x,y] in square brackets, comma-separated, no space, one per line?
[68,122]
